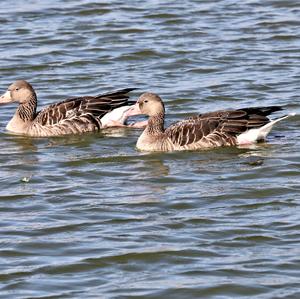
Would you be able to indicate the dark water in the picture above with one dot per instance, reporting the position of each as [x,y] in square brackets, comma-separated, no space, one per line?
[96,218]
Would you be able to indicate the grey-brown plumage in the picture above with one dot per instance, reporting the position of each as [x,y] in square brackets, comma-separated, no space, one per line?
[213,129]
[72,116]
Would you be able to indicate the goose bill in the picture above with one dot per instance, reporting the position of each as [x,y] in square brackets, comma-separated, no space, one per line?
[5,98]
[134,110]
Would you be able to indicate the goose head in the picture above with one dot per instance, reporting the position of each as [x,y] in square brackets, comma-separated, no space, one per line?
[20,91]
[149,104]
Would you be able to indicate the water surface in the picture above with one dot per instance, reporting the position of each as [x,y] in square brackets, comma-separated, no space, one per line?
[89,216]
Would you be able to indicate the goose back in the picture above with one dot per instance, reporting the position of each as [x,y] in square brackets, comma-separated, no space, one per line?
[219,128]
[96,106]
[77,115]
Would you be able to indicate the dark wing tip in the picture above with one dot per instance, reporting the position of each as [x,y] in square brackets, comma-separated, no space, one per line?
[123,91]
[263,111]
[126,90]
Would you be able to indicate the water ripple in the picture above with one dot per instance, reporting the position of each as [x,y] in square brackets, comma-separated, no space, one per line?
[88,216]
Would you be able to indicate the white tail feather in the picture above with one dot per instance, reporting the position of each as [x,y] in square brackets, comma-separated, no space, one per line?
[254,135]
[117,115]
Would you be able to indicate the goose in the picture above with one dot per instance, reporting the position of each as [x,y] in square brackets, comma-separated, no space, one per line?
[72,116]
[208,130]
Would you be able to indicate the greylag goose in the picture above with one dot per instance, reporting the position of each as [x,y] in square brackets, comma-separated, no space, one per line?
[208,130]
[72,116]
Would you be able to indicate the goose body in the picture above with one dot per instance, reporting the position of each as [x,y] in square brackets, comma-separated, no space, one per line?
[208,130]
[72,116]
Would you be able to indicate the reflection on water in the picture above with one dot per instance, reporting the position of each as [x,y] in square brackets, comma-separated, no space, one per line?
[98,218]
[17,144]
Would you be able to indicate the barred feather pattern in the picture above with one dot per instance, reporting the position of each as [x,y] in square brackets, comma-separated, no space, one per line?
[27,111]
[74,115]
[213,129]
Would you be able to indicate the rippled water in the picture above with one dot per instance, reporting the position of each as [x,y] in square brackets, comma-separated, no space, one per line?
[89,216]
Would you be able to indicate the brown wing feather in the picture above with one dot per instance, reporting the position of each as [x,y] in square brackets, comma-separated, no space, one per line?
[220,127]
[92,108]
[240,113]
[191,130]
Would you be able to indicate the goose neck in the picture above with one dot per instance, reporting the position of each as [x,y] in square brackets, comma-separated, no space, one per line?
[27,110]
[156,124]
